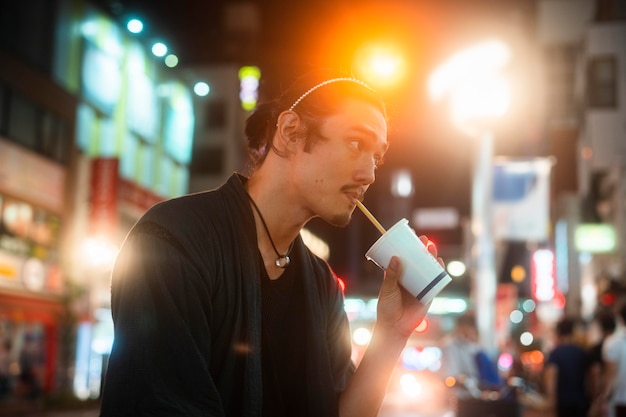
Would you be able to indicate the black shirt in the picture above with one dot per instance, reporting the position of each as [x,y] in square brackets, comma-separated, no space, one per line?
[283,344]
[186,304]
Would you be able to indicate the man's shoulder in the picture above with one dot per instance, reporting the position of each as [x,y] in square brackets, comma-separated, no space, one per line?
[216,202]
[179,207]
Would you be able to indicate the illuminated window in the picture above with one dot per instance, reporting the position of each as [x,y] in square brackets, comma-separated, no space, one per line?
[208,161]
[602,82]
[560,75]
[216,117]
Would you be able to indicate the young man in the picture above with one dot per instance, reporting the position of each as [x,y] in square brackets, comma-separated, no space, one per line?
[219,307]
[565,373]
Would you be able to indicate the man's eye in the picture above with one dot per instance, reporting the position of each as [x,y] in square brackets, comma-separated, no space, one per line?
[357,144]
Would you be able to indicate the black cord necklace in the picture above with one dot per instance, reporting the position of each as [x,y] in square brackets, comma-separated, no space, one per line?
[282,260]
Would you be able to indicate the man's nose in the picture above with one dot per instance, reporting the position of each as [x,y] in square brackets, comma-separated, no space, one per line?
[366,171]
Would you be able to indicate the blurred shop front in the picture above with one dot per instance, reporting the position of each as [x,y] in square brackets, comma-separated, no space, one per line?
[134,134]
[31,284]
[107,208]
[94,130]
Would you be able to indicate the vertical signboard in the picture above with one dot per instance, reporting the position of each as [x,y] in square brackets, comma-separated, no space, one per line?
[543,275]
[103,197]
[521,199]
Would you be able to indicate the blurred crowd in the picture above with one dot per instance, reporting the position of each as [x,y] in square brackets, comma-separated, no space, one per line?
[22,362]
[581,370]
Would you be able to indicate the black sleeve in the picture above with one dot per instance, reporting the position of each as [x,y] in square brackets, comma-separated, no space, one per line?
[339,338]
[159,364]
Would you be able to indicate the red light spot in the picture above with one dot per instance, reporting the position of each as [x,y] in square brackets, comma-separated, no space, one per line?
[607,299]
[559,301]
[422,326]
[342,284]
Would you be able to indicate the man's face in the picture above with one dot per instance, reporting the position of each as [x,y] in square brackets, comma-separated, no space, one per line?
[338,169]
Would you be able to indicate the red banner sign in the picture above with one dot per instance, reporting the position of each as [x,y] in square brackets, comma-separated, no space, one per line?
[103,215]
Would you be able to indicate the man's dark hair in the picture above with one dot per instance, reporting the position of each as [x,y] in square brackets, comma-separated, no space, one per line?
[322,102]
[565,327]
[606,321]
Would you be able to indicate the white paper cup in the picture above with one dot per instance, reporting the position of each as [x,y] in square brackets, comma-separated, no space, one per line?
[422,275]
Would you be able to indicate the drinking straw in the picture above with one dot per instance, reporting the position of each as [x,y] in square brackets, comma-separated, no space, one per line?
[369,215]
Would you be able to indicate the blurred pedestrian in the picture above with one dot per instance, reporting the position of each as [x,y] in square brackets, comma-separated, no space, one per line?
[459,353]
[221,310]
[5,368]
[565,373]
[614,355]
[606,322]
[30,361]
[467,361]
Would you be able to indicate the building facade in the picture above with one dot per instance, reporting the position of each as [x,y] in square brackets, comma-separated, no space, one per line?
[94,130]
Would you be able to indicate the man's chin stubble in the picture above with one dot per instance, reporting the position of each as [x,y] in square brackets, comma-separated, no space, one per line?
[341,220]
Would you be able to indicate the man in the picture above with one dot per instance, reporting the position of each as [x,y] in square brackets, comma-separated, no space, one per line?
[565,373]
[221,310]
[614,355]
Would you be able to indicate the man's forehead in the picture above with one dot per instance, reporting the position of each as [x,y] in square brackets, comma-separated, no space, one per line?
[363,116]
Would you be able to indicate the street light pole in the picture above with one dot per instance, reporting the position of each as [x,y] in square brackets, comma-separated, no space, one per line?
[484,282]
[472,81]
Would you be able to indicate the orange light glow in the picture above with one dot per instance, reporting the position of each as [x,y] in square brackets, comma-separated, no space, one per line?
[380,64]
[518,273]
[450,381]
[586,152]
[532,358]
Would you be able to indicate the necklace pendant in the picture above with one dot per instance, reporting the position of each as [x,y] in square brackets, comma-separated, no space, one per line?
[282,261]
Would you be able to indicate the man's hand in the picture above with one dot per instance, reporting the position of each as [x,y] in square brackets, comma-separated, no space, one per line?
[398,310]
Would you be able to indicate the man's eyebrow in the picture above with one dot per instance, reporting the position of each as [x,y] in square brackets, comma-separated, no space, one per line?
[362,129]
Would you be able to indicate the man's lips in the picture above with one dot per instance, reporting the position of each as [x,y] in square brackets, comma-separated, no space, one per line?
[353,196]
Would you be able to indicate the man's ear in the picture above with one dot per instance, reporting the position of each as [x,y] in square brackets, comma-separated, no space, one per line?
[287,127]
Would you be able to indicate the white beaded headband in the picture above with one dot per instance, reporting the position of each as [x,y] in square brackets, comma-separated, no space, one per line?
[334,80]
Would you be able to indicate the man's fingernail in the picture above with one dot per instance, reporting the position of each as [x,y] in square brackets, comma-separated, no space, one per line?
[393,264]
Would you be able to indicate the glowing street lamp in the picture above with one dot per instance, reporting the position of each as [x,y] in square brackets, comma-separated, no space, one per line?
[134,26]
[380,64]
[473,82]
[159,49]
[477,94]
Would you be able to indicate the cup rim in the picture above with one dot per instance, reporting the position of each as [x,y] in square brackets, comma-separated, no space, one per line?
[378,242]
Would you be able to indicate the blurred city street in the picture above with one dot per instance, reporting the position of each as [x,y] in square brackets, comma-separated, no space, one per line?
[31,412]
[393,406]
[64,413]
[507,133]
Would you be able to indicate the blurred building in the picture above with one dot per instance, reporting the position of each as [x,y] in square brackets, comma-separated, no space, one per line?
[585,118]
[94,129]
[579,100]
[602,146]
[219,147]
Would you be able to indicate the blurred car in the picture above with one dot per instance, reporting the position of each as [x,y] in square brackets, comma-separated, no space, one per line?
[416,386]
